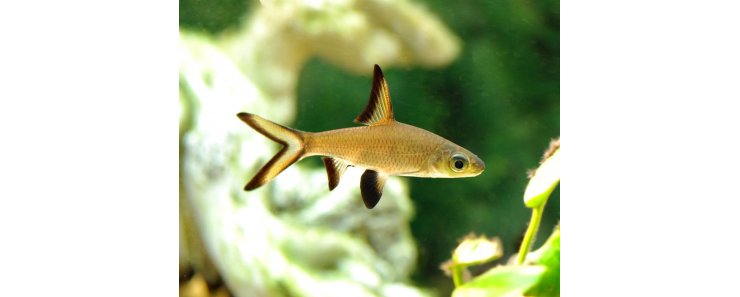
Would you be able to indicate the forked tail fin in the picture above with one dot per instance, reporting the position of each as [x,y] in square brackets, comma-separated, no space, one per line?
[291,152]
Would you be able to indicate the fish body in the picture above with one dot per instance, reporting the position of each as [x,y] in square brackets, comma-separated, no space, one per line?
[383,147]
[394,148]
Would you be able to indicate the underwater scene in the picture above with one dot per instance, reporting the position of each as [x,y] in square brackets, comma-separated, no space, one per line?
[369,148]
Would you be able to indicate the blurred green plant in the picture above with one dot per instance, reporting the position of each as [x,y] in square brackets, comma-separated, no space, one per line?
[213,16]
[533,274]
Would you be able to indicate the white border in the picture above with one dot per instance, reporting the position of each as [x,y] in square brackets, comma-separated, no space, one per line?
[649,97]
[89,154]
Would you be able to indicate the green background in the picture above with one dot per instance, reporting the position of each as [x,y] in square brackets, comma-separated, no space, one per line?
[500,99]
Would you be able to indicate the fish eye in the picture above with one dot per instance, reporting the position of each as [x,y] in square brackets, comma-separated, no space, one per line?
[458,163]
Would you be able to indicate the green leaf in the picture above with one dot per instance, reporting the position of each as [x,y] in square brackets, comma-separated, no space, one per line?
[472,251]
[549,256]
[501,281]
[543,182]
[477,250]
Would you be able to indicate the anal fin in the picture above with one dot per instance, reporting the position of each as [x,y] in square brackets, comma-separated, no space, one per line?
[371,186]
[334,170]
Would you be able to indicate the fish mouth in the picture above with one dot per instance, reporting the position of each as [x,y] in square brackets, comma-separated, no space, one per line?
[477,165]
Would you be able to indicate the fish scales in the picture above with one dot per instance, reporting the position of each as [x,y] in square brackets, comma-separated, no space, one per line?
[394,148]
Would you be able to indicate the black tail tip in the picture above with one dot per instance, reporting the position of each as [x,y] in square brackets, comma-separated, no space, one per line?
[253,184]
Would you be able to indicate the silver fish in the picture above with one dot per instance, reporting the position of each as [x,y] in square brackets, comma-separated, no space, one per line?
[383,147]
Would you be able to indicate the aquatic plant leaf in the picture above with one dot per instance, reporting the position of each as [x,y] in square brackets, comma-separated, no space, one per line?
[549,257]
[501,281]
[544,181]
[477,250]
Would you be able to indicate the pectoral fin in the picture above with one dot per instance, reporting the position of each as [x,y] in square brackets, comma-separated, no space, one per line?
[371,186]
[379,109]
[334,170]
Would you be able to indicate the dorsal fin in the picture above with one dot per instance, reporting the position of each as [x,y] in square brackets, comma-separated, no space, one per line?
[334,170]
[379,109]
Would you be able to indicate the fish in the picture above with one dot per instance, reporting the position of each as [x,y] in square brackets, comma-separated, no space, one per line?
[383,147]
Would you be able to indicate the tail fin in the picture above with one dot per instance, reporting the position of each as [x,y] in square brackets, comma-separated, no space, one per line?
[292,152]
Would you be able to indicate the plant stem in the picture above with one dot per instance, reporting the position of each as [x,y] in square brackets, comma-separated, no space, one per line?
[534,224]
[457,275]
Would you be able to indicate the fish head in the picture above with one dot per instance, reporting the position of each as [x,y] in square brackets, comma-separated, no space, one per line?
[451,160]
